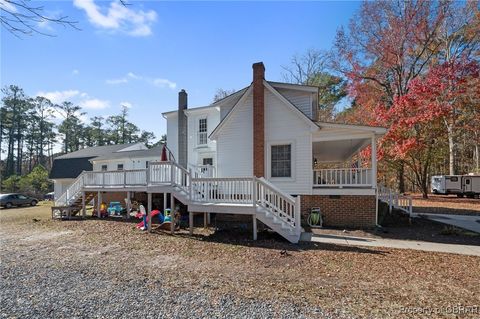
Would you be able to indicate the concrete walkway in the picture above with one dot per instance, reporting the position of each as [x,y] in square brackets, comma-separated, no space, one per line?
[467,222]
[392,243]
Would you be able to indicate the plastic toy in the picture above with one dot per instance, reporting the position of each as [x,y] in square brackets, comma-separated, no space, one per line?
[115,209]
[154,213]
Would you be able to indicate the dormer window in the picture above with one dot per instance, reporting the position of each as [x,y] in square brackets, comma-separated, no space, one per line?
[202,137]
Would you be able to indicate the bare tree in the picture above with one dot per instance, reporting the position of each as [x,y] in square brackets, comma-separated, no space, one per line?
[304,68]
[221,94]
[21,17]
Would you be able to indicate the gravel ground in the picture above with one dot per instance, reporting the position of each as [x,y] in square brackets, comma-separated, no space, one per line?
[110,269]
[43,293]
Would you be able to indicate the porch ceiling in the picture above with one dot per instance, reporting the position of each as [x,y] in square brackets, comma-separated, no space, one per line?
[339,150]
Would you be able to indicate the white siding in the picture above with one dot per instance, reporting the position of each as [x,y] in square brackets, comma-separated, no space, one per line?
[235,143]
[301,99]
[283,126]
[60,186]
[172,134]
[128,163]
[196,152]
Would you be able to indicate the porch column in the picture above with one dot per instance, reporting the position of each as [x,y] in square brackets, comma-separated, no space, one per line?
[172,212]
[129,204]
[254,226]
[84,209]
[99,203]
[164,202]
[190,223]
[149,205]
[374,161]
[205,220]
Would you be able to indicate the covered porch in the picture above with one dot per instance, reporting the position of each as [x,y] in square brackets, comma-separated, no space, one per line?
[335,160]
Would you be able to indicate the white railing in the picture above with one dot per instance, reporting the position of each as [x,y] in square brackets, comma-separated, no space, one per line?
[181,177]
[282,205]
[159,172]
[203,171]
[337,177]
[72,192]
[236,190]
[112,179]
[395,200]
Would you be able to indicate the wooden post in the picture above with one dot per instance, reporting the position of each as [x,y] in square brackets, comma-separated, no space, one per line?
[84,208]
[172,213]
[164,202]
[149,205]
[129,204]
[99,203]
[205,220]
[374,162]
[254,216]
[190,222]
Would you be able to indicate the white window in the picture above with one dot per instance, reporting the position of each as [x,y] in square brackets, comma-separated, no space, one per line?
[104,168]
[208,161]
[119,167]
[202,132]
[281,160]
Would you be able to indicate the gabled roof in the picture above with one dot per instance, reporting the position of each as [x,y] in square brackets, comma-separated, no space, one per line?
[73,164]
[95,151]
[269,87]
[152,152]
[374,129]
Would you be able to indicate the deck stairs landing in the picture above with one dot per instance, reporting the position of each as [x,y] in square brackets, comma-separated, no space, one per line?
[232,195]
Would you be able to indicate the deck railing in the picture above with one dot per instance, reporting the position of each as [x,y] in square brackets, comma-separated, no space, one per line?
[395,200]
[236,190]
[339,177]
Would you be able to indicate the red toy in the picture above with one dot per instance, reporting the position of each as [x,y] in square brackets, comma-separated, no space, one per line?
[139,215]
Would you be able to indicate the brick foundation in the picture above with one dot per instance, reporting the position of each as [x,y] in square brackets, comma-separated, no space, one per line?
[356,211]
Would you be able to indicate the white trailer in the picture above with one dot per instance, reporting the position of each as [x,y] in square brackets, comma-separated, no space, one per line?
[447,184]
[471,185]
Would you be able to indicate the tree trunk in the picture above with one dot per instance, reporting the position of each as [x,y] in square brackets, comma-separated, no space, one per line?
[401,178]
[451,151]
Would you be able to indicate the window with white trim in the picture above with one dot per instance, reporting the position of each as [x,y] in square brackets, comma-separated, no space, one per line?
[202,132]
[104,168]
[281,160]
[119,167]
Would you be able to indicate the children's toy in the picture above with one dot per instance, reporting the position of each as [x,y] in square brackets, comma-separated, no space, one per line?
[154,213]
[115,209]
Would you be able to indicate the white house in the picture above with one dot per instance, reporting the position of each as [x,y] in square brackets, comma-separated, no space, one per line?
[270,130]
[66,168]
[258,152]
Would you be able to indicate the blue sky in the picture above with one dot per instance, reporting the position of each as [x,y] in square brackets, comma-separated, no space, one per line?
[144,54]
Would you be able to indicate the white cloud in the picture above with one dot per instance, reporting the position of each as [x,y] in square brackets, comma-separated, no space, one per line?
[116,81]
[59,96]
[4,5]
[158,82]
[118,17]
[94,104]
[162,83]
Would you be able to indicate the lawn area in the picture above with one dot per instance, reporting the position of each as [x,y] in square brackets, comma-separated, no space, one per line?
[446,204]
[106,267]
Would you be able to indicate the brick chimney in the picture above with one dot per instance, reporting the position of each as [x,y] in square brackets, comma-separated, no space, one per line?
[182,129]
[258,120]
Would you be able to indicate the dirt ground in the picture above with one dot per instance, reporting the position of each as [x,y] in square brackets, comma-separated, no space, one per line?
[359,282]
[443,204]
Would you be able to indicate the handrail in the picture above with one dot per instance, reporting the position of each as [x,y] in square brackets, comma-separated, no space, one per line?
[282,205]
[395,200]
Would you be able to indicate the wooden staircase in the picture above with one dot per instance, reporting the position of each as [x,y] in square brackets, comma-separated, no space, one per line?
[234,195]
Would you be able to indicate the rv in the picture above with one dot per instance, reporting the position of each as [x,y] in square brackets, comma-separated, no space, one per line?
[471,185]
[460,185]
